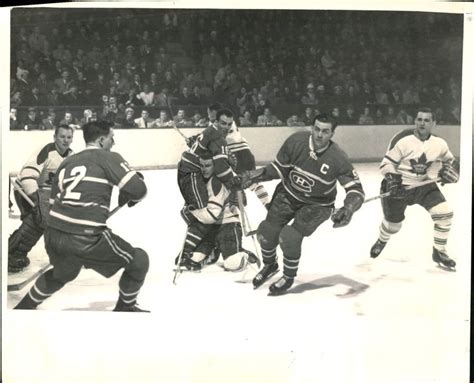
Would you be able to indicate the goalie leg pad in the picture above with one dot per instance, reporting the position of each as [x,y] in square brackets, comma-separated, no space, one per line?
[229,239]
[236,262]
[25,237]
[290,243]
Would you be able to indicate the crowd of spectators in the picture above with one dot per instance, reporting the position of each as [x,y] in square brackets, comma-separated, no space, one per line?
[145,68]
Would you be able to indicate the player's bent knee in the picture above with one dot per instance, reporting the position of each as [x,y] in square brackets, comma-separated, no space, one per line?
[267,234]
[236,262]
[290,239]
[140,263]
[441,213]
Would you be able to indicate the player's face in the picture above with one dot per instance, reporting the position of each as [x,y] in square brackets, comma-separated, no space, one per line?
[211,114]
[225,123]
[322,133]
[424,123]
[108,140]
[63,139]
[207,167]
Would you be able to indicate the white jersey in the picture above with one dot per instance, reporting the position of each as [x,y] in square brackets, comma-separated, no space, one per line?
[218,209]
[235,141]
[414,159]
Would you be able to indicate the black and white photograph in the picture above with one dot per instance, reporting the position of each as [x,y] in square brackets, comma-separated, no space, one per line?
[203,192]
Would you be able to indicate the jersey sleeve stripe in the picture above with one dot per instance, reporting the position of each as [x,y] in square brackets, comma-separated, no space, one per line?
[280,164]
[224,173]
[356,191]
[126,178]
[36,170]
[392,160]
[350,183]
[277,169]
[218,156]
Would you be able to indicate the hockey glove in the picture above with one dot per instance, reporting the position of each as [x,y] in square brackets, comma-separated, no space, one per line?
[341,217]
[249,177]
[36,210]
[394,184]
[187,215]
[448,174]
[191,140]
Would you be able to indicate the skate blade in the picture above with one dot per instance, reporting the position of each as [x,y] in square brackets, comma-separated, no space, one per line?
[266,280]
[277,294]
[446,268]
[186,270]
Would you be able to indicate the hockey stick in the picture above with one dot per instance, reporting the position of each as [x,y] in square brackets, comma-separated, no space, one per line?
[178,264]
[17,186]
[168,103]
[21,285]
[409,187]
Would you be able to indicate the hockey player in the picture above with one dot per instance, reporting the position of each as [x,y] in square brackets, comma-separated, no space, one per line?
[309,165]
[416,155]
[190,180]
[35,180]
[77,233]
[222,217]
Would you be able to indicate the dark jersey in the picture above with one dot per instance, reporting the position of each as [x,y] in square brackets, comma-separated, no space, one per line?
[83,187]
[312,177]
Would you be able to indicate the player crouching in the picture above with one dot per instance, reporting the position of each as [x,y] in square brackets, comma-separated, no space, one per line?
[221,219]
[309,164]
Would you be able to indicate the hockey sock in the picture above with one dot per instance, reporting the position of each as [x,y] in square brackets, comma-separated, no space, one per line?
[269,255]
[133,277]
[261,193]
[290,242]
[387,229]
[442,217]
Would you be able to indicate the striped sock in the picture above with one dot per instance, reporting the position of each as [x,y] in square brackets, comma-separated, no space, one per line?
[261,193]
[269,255]
[387,229]
[442,226]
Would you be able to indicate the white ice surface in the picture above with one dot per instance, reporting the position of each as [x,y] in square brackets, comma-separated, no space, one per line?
[348,318]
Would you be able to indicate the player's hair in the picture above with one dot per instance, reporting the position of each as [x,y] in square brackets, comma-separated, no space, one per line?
[215,106]
[323,117]
[95,129]
[63,126]
[205,155]
[224,112]
[427,110]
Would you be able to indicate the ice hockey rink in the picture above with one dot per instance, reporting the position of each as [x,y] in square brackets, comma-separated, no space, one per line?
[348,318]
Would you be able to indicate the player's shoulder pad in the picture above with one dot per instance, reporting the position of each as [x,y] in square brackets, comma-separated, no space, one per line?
[212,133]
[216,185]
[44,153]
[399,136]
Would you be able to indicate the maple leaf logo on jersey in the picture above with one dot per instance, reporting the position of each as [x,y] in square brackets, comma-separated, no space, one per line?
[420,166]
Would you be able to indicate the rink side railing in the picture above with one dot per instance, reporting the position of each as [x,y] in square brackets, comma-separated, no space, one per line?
[162,148]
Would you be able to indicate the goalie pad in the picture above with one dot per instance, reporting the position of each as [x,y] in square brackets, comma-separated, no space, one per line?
[236,262]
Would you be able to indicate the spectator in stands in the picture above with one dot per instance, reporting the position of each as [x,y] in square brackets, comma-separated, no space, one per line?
[440,116]
[170,83]
[246,119]
[294,121]
[322,97]
[98,87]
[49,123]
[162,99]
[366,117]
[338,98]
[391,117]
[367,95]
[336,114]
[69,120]
[455,115]
[53,97]
[260,102]
[153,83]
[32,120]
[379,118]
[146,95]
[268,119]
[144,121]
[163,121]
[16,100]
[410,96]
[132,99]
[197,98]
[86,117]
[63,84]
[14,123]
[121,84]
[180,120]
[349,116]
[23,83]
[43,84]
[184,97]
[136,82]
[197,120]
[381,97]
[308,116]
[129,121]
[309,98]
[72,97]
[396,96]
[404,118]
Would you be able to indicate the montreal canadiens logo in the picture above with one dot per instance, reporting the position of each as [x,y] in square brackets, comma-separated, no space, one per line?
[301,182]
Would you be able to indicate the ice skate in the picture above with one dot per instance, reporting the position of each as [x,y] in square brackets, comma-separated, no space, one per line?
[281,286]
[443,260]
[188,263]
[122,307]
[252,258]
[17,262]
[263,275]
[377,248]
